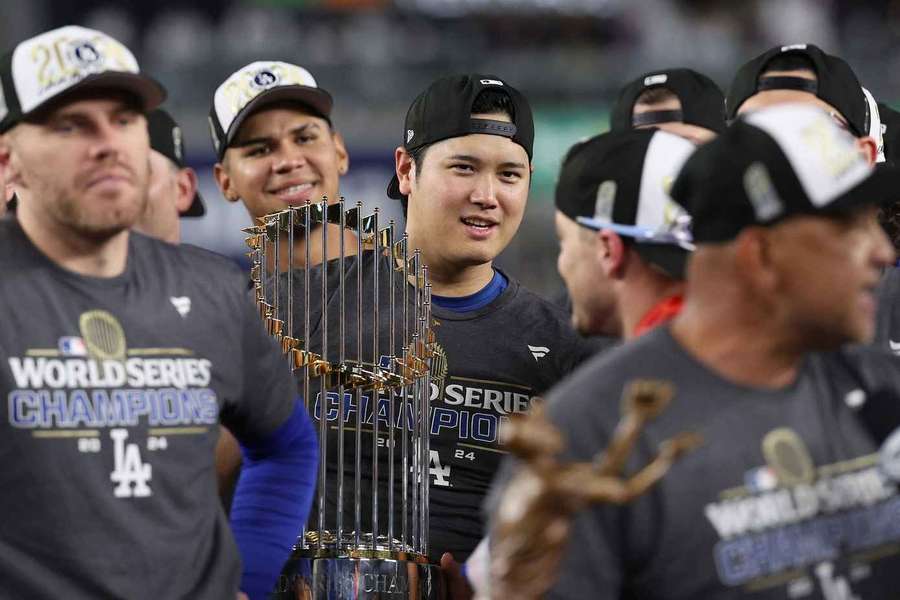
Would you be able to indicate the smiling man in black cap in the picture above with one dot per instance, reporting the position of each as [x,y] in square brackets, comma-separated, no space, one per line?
[463,172]
[788,494]
[173,185]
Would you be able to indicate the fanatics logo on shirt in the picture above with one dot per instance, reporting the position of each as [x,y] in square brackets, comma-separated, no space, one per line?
[538,351]
[182,304]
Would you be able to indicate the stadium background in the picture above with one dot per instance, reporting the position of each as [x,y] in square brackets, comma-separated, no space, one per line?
[374,56]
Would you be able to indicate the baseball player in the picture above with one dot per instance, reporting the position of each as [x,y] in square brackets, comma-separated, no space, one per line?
[789,491]
[680,101]
[277,147]
[804,73]
[173,185]
[462,174]
[623,241]
[119,356]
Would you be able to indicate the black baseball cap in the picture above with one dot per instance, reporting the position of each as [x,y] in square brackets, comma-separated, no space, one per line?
[444,110]
[167,139]
[890,133]
[45,68]
[257,85]
[775,163]
[620,181]
[702,102]
[835,83]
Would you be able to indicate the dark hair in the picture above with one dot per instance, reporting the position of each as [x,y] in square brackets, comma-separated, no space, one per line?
[654,95]
[889,217]
[488,102]
[790,61]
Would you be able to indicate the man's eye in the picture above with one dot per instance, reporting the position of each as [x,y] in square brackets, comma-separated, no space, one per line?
[257,151]
[511,175]
[462,167]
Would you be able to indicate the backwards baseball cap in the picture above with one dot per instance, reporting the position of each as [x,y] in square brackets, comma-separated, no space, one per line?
[167,139]
[257,85]
[775,163]
[702,102]
[835,83]
[444,110]
[620,180]
[56,63]
[890,133]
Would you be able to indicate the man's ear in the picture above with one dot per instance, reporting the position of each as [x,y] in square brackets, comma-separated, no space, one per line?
[613,253]
[405,168]
[186,182]
[223,180]
[342,154]
[755,259]
[868,147]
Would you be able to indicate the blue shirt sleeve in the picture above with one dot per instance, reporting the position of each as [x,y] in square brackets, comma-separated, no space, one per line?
[273,499]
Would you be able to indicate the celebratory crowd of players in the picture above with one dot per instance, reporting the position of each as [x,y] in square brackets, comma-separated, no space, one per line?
[731,246]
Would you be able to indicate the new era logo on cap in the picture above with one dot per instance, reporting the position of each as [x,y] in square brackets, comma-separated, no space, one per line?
[255,84]
[52,63]
[656,79]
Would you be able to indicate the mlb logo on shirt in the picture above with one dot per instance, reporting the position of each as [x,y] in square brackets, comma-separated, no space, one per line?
[72,346]
[761,479]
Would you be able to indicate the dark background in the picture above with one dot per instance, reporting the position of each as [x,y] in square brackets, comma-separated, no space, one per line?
[568,56]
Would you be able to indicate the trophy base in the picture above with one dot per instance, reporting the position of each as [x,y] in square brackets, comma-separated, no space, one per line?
[306,577]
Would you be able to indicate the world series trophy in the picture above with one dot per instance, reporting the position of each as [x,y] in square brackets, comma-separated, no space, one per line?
[357,331]
[536,510]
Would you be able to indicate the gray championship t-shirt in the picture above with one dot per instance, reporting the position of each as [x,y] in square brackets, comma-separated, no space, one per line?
[787,498]
[113,390]
[489,363]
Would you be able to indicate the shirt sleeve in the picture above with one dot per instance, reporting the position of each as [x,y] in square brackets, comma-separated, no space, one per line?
[266,397]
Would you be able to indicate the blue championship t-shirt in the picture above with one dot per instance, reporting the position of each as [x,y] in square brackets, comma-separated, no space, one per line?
[112,392]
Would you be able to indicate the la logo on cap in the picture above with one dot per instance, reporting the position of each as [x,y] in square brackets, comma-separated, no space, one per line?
[491,82]
[409,135]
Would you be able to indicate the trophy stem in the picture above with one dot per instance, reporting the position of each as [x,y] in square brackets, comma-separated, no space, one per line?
[376,390]
[323,387]
[341,358]
[357,484]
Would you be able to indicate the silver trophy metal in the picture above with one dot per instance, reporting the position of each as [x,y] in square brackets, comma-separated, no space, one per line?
[357,331]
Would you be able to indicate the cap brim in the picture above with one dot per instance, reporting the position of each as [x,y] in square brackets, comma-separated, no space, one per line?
[149,91]
[639,234]
[316,98]
[881,188]
[197,207]
[393,188]
[670,259]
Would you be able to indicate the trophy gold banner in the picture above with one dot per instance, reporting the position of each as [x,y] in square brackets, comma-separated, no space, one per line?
[354,319]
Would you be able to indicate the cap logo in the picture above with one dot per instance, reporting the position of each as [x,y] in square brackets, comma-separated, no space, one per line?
[656,79]
[176,142]
[793,47]
[264,79]
[606,196]
[409,135]
[491,82]
[761,192]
